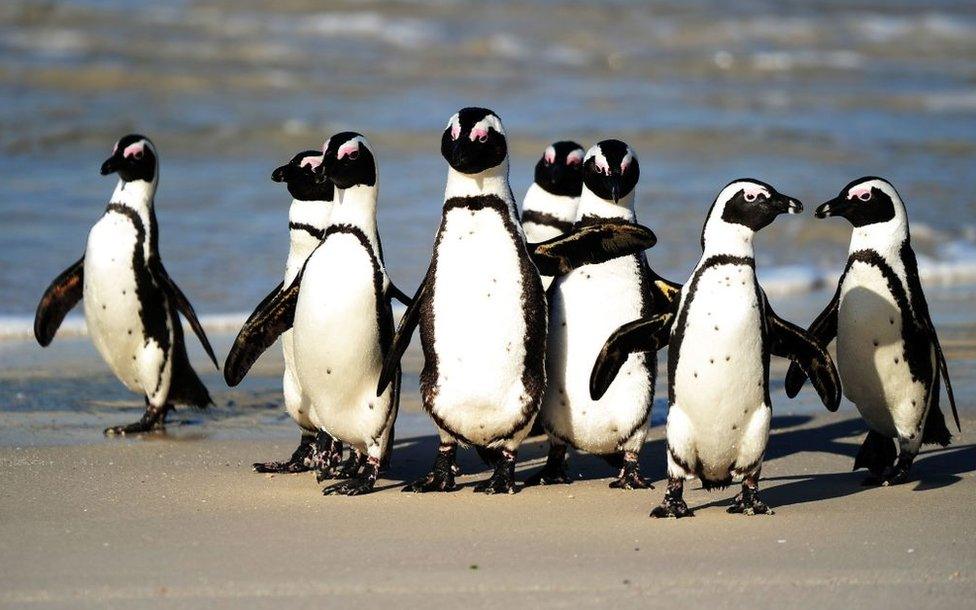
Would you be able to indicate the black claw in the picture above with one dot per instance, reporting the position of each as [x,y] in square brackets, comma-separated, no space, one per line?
[441,477]
[502,481]
[358,486]
[748,503]
[554,472]
[298,462]
[630,476]
[674,505]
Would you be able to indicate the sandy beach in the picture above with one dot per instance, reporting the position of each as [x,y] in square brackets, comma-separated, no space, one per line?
[180,520]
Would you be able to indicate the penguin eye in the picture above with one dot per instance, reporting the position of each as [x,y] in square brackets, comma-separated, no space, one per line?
[353,155]
[865,196]
[750,197]
[138,155]
[483,138]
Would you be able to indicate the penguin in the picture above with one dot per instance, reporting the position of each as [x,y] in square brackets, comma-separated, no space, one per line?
[339,306]
[131,304]
[888,353]
[482,310]
[549,206]
[720,341]
[308,218]
[586,305]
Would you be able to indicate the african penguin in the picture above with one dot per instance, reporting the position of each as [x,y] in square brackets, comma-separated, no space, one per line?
[720,340]
[585,306]
[339,307]
[132,306]
[481,311]
[549,206]
[308,218]
[888,353]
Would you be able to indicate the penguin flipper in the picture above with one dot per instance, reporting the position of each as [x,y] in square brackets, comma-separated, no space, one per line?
[392,292]
[921,307]
[264,302]
[790,341]
[401,340]
[63,294]
[667,294]
[824,330]
[644,335]
[185,308]
[261,331]
[590,244]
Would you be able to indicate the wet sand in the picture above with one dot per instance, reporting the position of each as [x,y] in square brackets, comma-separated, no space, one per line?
[164,522]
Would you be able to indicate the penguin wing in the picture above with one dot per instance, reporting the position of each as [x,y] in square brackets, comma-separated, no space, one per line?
[921,309]
[790,341]
[392,292]
[184,307]
[589,245]
[261,331]
[824,330]
[404,332]
[644,335]
[63,294]
[264,302]
[667,294]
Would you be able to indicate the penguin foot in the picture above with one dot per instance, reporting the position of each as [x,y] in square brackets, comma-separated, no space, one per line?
[324,456]
[296,463]
[672,508]
[554,472]
[674,505]
[895,476]
[502,481]
[153,420]
[747,503]
[630,476]
[363,484]
[441,477]
[350,469]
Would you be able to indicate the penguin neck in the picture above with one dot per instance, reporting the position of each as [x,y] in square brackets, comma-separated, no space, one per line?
[592,205]
[492,181]
[885,238]
[560,207]
[304,215]
[137,195]
[356,207]
[728,238]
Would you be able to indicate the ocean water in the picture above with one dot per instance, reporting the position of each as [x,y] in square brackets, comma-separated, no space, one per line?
[805,95]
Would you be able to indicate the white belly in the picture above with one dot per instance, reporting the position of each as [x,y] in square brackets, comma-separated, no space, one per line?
[296,401]
[479,327]
[336,341]
[535,233]
[586,306]
[112,304]
[719,385]
[871,354]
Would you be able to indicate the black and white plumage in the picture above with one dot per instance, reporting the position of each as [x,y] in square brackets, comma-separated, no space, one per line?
[132,306]
[586,305]
[888,353]
[339,307]
[720,341]
[549,206]
[308,218]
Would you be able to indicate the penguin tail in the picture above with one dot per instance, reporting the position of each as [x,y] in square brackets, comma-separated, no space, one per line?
[489,456]
[615,460]
[936,432]
[186,387]
[710,484]
[877,453]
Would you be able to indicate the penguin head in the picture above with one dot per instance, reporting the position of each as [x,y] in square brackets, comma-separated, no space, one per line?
[751,204]
[865,201]
[299,176]
[611,170]
[348,161]
[133,158]
[474,141]
[560,170]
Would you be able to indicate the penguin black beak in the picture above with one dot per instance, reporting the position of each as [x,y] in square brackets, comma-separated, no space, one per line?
[837,206]
[110,166]
[615,187]
[787,205]
[280,174]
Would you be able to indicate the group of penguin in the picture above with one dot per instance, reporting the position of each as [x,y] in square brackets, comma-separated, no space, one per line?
[551,316]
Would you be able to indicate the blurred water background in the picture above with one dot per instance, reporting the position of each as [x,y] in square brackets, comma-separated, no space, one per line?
[805,95]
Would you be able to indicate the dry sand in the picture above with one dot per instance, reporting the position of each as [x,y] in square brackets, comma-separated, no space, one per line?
[163,522]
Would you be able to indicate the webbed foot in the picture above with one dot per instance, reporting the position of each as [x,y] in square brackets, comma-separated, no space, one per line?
[554,472]
[502,481]
[441,476]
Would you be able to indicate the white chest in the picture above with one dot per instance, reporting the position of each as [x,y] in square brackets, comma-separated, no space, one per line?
[719,373]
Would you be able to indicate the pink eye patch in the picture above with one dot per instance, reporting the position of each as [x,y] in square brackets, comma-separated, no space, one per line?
[574,158]
[478,133]
[455,131]
[134,150]
[550,155]
[350,148]
[312,162]
[861,192]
